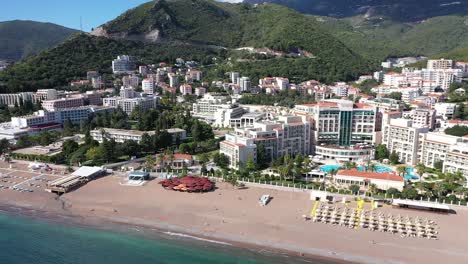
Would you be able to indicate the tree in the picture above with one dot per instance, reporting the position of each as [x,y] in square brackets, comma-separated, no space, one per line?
[4,146]
[68,147]
[393,192]
[394,95]
[93,154]
[421,168]
[203,158]
[68,128]
[401,170]
[381,152]
[149,163]
[263,158]
[457,130]
[221,160]
[184,148]
[372,167]
[394,159]
[438,165]
[409,192]
[354,188]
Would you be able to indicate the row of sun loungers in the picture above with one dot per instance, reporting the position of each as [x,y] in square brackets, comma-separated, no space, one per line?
[351,218]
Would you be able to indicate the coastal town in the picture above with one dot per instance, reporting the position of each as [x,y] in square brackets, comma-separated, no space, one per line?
[350,154]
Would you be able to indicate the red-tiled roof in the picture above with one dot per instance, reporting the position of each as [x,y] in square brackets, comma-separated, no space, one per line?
[371,175]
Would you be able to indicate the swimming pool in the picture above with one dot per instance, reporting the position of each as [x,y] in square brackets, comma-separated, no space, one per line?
[409,175]
[378,168]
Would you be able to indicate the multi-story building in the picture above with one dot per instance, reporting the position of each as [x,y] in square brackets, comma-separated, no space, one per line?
[245,84]
[435,146]
[129,100]
[186,89]
[441,64]
[148,86]
[46,94]
[93,98]
[60,116]
[123,64]
[401,137]
[340,89]
[200,91]
[130,81]
[52,105]
[289,135]
[445,110]
[384,104]
[16,99]
[122,135]
[234,76]
[422,118]
[456,160]
[173,79]
[193,75]
[238,150]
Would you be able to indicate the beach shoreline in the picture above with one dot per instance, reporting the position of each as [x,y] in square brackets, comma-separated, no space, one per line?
[233,216]
[155,231]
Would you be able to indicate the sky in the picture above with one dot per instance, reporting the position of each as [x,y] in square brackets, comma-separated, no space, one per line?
[67,13]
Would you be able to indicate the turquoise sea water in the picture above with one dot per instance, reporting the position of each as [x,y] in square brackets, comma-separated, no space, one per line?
[25,241]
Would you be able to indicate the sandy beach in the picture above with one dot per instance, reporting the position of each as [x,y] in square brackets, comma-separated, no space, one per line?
[235,216]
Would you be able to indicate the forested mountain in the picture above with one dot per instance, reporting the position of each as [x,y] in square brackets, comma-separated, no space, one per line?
[312,47]
[162,29]
[19,39]
[397,10]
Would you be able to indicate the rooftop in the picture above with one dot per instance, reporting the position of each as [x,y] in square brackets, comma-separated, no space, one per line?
[371,175]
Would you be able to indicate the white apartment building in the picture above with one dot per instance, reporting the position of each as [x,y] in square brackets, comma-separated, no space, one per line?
[409,94]
[289,135]
[441,64]
[148,86]
[456,160]
[216,110]
[238,150]
[53,105]
[340,89]
[435,146]
[60,116]
[129,104]
[122,135]
[193,75]
[445,110]
[384,104]
[46,94]
[12,99]
[200,91]
[123,64]
[401,137]
[173,79]
[422,118]
[234,76]
[186,89]
[245,84]
[130,81]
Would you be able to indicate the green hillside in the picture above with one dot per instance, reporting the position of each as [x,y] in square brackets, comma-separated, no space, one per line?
[19,39]
[81,53]
[195,25]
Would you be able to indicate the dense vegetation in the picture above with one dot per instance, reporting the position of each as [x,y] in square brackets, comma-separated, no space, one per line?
[82,53]
[457,130]
[285,98]
[399,10]
[19,39]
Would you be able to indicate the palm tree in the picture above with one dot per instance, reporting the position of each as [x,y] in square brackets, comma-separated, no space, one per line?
[348,165]
[372,167]
[421,168]
[149,163]
[373,188]
[401,170]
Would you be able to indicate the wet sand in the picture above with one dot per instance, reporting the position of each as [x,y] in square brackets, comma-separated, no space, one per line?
[235,216]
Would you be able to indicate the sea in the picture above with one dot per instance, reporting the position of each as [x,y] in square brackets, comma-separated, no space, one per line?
[26,240]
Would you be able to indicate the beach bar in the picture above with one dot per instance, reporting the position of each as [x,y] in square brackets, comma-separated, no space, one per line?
[75,180]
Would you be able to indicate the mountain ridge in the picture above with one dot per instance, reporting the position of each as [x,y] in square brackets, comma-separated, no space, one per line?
[21,38]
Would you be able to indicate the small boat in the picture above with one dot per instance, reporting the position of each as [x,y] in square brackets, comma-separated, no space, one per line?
[264,199]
